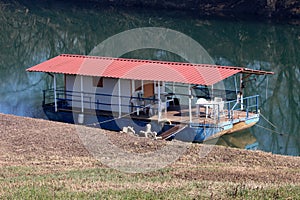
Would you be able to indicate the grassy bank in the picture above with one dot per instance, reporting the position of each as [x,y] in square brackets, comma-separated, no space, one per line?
[102,183]
[47,160]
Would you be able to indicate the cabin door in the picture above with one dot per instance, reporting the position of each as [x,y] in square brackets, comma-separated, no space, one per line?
[148,89]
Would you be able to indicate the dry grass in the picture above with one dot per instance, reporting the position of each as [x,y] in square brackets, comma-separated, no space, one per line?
[42,159]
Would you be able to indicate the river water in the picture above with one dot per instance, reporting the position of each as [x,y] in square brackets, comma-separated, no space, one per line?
[32,33]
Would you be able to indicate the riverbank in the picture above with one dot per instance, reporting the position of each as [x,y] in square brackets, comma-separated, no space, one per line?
[267,9]
[273,9]
[40,158]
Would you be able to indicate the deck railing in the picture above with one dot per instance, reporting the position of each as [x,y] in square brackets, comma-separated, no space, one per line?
[66,99]
[248,104]
[203,91]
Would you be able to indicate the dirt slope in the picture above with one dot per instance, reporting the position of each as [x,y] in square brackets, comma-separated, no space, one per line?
[57,146]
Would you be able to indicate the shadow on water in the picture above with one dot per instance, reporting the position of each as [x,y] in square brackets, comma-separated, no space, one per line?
[242,140]
[32,33]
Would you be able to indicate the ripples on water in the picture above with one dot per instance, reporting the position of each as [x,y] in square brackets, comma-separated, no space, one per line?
[32,33]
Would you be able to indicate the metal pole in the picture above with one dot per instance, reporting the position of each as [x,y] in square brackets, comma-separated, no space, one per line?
[241,91]
[190,103]
[229,110]
[247,110]
[119,95]
[81,90]
[256,98]
[267,87]
[54,88]
[173,88]
[165,98]
[132,86]
[212,92]
[235,85]
[159,101]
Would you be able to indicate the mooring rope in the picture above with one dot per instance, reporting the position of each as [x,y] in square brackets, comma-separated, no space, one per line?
[268,121]
[271,130]
[268,129]
[109,120]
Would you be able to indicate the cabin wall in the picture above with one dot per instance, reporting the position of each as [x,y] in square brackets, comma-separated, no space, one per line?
[106,97]
[109,99]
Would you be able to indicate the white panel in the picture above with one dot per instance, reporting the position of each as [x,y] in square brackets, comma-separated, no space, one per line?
[110,87]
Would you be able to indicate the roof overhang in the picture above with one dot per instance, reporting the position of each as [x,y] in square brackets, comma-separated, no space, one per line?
[256,72]
[134,69]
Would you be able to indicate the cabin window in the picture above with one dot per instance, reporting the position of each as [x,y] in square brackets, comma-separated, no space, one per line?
[160,83]
[98,81]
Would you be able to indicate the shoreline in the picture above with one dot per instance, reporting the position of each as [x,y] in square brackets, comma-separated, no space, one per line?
[44,155]
[279,9]
[10,123]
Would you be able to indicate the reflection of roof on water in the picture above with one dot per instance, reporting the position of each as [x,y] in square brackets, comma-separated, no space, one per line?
[202,74]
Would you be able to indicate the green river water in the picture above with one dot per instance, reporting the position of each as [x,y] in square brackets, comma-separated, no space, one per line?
[32,33]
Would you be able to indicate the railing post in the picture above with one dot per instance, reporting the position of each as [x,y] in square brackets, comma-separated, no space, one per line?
[90,102]
[190,103]
[228,108]
[44,97]
[119,98]
[81,93]
[246,104]
[159,101]
[218,113]
[256,103]
[173,87]
[54,88]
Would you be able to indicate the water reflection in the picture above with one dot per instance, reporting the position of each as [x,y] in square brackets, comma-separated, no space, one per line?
[31,33]
[241,140]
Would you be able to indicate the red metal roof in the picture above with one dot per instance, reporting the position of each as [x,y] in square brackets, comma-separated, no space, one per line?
[202,74]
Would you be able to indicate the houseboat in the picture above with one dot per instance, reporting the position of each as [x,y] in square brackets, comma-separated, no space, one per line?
[173,99]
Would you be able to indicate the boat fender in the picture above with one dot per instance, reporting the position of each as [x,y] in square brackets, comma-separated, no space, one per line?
[131,130]
[80,118]
[164,121]
[169,121]
[148,133]
[148,128]
[128,130]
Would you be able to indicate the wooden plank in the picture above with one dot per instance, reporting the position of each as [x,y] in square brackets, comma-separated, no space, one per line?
[171,131]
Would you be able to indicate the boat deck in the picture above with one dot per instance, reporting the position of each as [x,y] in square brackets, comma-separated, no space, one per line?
[173,115]
[176,116]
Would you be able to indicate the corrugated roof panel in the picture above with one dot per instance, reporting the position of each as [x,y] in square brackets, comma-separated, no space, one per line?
[136,69]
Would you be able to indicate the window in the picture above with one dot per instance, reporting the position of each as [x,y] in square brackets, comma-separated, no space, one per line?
[98,81]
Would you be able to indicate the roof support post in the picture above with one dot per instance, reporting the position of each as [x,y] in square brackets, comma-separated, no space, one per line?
[119,96]
[81,93]
[190,103]
[135,106]
[54,90]
[235,85]
[165,99]
[241,91]
[173,87]
[159,100]
[132,86]
[212,92]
